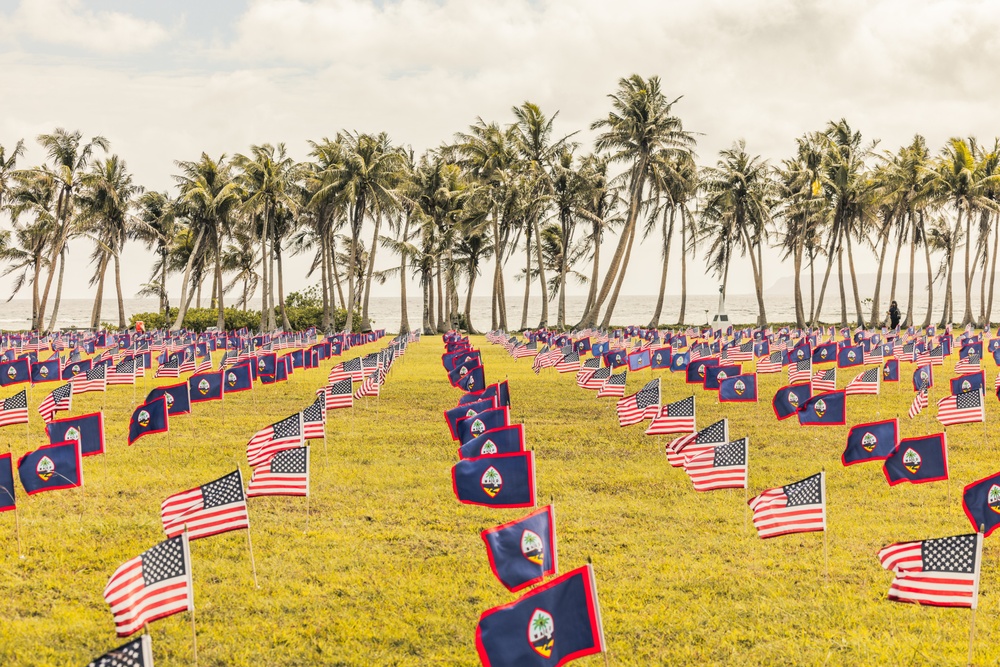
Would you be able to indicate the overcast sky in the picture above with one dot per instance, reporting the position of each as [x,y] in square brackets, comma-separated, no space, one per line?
[164,81]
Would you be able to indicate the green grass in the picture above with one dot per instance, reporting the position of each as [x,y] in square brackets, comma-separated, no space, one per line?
[391,570]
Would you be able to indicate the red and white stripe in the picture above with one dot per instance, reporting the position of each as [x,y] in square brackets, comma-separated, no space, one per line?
[134,604]
[706,476]
[772,516]
[188,509]
[912,584]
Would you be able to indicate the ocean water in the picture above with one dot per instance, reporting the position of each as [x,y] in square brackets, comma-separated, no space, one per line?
[631,309]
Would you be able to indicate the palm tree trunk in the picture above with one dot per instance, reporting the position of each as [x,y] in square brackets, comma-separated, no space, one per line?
[895,270]
[595,242]
[220,321]
[544,320]
[822,290]
[800,316]
[843,294]
[468,301]
[118,288]
[877,297]
[967,317]
[185,300]
[527,281]
[57,247]
[440,297]
[854,283]
[59,286]
[502,301]
[668,234]
[613,301]
[637,181]
[684,295]
[908,322]
[281,288]
[95,313]
[428,290]
[758,281]
[324,284]
[993,273]
[271,315]
[365,324]
[948,299]
[36,318]
[164,300]
[404,320]
[335,273]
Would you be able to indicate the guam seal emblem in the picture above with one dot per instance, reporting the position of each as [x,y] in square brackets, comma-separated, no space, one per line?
[478,427]
[739,387]
[143,418]
[203,386]
[45,468]
[11,372]
[869,442]
[532,547]
[489,447]
[820,408]
[231,379]
[170,399]
[912,461]
[491,482]
[994,498]
[72,433]
[541,632]
[851,355]
[793,399]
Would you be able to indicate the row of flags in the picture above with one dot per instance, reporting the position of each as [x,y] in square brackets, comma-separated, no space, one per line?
[558,620]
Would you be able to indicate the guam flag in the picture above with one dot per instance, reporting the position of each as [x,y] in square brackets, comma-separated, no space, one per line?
[871,442]
[788,399]
[51,467]
[206,386]
[918,460]
[850,356]
[147,419]
[827,409]
[968,382]
[466,410]
[639,360]
[716,374]
[238,378]
[267,364]
[468,428]
[15,372]
[923,376]
[178,399]
[88,430]
[503,440]
[74,368]
[474,380]
[45,371]
[697,370]
[551,625]
[499,389]
[980,500]
[738,389]
[680,361]
[499,480]
[523,552]
[827,352]
[7,500]
[661,358]
[890,370]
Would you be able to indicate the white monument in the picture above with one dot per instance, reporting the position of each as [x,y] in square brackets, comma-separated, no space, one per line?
[721,320]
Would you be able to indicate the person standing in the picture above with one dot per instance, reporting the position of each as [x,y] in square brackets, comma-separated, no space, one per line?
[893,315]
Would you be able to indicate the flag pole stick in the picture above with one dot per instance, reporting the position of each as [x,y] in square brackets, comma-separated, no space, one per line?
[253,563]
[972,634]
[194,631]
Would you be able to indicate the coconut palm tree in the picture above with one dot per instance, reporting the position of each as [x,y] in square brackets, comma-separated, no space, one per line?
[158,215]
[739,194]
[640,124]
[31,203]
[472,248]
[8,167]
[69,159]
[210,198]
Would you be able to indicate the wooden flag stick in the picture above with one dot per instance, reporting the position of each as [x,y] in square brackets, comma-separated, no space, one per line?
[972,634]
[253,564]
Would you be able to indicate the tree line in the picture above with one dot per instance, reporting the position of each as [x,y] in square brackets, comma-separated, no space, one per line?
[538,205]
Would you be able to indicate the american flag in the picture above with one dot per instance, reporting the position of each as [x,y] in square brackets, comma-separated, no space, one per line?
[586,371]
[918,404]
[921,357]
[961,409]
[942,572]
[799,507]
[347,369]
[136,653]
[369,387]
[596,381]
[546,359]
[800,371]
[742,352]
[14,409]
[769,364]
[209,509]
[313,422]
[521,350]
[123,373]
[170,369]
[696,443]
[204,366]
[867,382]
[187,363]
[93,380]
[340,394]
[968,365]
[61,398]
[642,405]
[154,584]
[824,381]
[937,356]
[286,474]
[371,362]
[614,386]
[279,436]
[676,417]
[570,363]
[996,383]
[873,356]
[722,467]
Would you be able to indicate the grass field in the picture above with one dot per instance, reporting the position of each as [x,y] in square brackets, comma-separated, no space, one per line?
[391,569]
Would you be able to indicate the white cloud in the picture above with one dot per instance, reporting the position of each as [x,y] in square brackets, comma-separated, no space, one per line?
[70,23]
